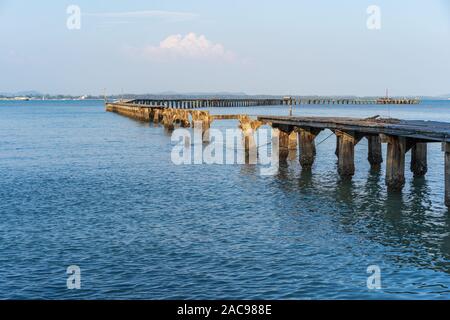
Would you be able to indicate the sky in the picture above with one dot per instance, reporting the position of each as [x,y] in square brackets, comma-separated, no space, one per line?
[295,47]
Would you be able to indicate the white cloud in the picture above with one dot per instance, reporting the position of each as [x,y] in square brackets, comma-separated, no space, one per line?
[190,46]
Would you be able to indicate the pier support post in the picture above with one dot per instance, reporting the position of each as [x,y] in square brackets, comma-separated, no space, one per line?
[248,127]
[375,155]
[306,137]
[206,120]
[395,163]
[169,117]
[446,149]
[293,144]
[182,117]
[283,144]
[347,142]
[419,159]
[185,123]
[151,114]
[156,115]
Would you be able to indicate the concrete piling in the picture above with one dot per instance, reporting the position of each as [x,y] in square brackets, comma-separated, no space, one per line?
[419,159]
[395,162]
[375,155]
[283,144]
[346,161]
[306,137]
[248,127]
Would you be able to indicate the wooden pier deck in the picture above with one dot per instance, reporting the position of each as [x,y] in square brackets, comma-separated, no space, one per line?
[428,131]
[401,136]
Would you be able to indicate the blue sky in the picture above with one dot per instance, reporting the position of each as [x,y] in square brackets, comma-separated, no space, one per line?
[254,46]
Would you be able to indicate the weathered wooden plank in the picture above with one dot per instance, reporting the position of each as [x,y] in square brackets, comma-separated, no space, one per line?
[346,158]
[428,131]
[375,156]
[307,146]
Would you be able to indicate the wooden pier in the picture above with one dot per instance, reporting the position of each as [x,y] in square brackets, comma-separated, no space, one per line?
[401,136]
[168,117]
[205,103]
[236,102]
[300,133]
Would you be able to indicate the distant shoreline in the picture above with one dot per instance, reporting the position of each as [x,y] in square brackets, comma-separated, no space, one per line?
[50,99]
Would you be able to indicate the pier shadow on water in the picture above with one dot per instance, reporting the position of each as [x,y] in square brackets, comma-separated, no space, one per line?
[406,222]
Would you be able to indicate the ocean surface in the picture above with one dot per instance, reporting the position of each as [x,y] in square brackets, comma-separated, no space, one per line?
[81,186]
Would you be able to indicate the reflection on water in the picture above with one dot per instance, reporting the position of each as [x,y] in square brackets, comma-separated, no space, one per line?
[306,179]
[406,222]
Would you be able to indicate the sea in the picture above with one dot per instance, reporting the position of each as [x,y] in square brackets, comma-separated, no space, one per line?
[92,191]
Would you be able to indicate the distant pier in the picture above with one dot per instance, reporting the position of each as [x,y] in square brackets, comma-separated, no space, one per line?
[236,102]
